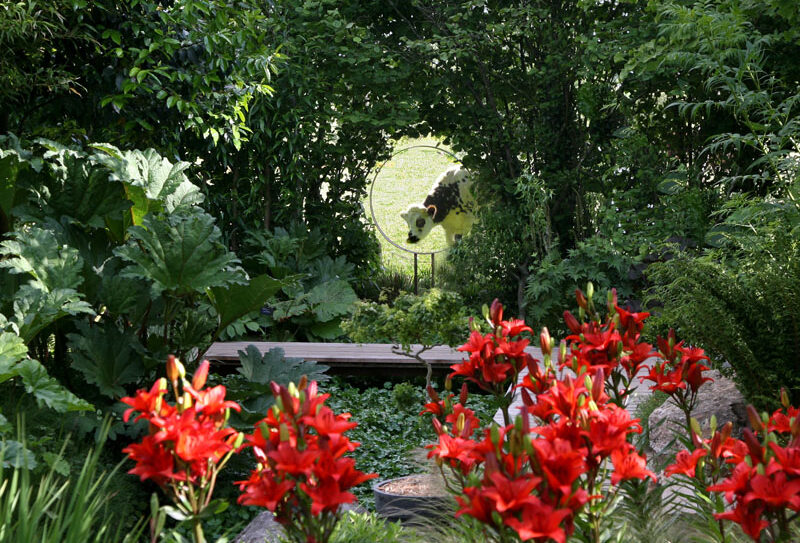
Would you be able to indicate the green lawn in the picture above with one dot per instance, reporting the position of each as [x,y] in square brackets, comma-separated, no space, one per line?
[404,180]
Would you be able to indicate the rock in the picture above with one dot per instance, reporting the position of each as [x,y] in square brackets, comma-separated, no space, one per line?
[264,528]
[720,398]
[261,529]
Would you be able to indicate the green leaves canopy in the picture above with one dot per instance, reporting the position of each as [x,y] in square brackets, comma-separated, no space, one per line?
[181,253]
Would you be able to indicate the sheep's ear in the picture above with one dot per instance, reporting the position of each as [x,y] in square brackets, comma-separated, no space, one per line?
[432,209]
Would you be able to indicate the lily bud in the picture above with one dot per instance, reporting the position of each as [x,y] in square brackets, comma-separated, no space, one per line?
[587,382]
[753,445]
[598,385]
[795,427]
[200,376]
[187,400]
[695,426]
[432,393]
[785,398]
[526,421]
[612,300]
[162,388]
[713,424]
[473,326]
[239,440]
[494,435]
[303,382]
[437,426]
[754,418]
[545,341]
[589,290]
[462,398]
[496,312]
[175,369]
[461,420]
[526,398]
[572,323]
[562,351]
[448,384]
[583,303]
[726,431]
[284,432]
[294,391]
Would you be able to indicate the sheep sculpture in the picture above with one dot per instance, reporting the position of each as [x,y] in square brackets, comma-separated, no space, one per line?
[449,204]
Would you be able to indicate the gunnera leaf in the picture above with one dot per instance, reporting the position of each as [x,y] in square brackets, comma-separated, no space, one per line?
[181,253]
[12,350]
[35,309]
[252,387]
[235,301]
[107,357]
[80,187]
[152,183]
[38,253]
[331,299]
[47,390]
[274,366]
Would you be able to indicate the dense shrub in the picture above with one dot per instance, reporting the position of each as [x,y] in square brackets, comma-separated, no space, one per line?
[741,305]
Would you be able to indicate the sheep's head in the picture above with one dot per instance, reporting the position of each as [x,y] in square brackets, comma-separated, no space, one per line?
[420,222]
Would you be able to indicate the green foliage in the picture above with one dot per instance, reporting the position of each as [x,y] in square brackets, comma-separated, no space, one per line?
[595,259]
[317,294]
[391,435]
[251,388]
[16,366]
[436,317]
[367,528]
[179,253]
[741,304]
[145,262]
[106,357]
[52,508]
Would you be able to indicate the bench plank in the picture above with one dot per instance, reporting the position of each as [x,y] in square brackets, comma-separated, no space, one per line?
[345,355]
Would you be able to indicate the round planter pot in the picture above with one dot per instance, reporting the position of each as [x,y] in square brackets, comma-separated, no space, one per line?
[405,504]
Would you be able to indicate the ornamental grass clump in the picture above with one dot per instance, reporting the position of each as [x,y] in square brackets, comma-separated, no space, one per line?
[302,474]
[187,445]
[555,468]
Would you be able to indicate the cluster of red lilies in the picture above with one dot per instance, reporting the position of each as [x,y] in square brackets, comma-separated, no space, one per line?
[554,466]
[302,473]
[188,442]
[532,481]
[763,470]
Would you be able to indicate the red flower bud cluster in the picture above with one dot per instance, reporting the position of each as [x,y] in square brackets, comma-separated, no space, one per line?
[495,358]
[535,480]
[302,474]
[765,481]
[187,440]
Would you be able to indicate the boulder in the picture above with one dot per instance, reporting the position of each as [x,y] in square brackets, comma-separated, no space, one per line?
[720,398]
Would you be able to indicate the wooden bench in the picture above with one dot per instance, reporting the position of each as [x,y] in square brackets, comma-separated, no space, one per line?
[350,358]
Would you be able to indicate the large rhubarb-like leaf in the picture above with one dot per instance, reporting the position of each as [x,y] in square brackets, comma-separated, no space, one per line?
[152,183]
[235,301]
[80,187]
[181,253]
[36,252]
[12,351]
[107,357]
[47,391]
[35,309]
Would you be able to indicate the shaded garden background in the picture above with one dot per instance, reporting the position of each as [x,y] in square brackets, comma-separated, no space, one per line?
[651,146]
